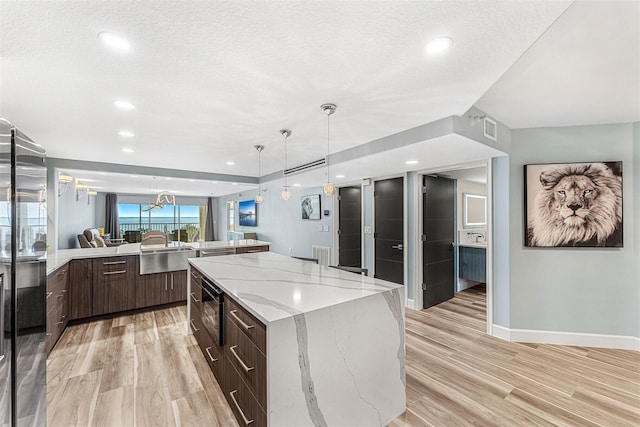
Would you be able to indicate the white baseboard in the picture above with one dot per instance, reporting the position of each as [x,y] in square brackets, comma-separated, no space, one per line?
[567,338]
[411,304]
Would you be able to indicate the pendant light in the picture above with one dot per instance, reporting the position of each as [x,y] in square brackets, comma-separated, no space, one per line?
[286,133]
[328,188]
[259,148]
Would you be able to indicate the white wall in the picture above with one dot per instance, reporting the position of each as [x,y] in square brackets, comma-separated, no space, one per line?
[280,222]
[584,290]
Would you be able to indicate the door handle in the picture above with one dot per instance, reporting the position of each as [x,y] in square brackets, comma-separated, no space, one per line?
[398,247]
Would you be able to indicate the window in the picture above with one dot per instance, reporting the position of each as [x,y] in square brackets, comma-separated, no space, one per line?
[170,218]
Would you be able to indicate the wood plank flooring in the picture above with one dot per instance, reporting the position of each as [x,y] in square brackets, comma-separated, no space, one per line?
[458,375]
[143,370]
[134,370]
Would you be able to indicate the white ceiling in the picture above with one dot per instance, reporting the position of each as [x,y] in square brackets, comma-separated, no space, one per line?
[584,70]
[212,79]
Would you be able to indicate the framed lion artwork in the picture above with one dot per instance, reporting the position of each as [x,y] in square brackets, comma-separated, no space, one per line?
[573,205]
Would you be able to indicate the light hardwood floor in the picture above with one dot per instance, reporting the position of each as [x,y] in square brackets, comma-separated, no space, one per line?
[140,369]
[458,375]
[144,370]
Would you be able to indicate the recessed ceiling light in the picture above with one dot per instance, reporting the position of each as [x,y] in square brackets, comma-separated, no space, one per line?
[296,185]
[438,45]
[167,179]
[339,176]
[123,105]
[234,183]
[114,41]
[411,162]
[134,176]
[230,163]
[192,180]
[127,150]
[214,182]
[103,173]
[126,133]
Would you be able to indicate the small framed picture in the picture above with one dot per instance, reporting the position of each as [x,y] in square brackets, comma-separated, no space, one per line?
[573,204]
[310,206]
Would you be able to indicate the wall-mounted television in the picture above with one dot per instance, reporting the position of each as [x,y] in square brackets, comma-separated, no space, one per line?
[248,216]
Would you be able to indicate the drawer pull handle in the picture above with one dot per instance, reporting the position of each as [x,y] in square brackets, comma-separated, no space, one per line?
[193,295]
[235,402]
[63,318]
[194,275]
[213,359]
[244,325]
[49,294]
[114,262]
[106,273]
[245,367]
[193,327]
[61,273]
[253,251]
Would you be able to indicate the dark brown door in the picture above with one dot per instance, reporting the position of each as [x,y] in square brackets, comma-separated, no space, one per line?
[389,229]
[350,226]
[439,227]
[178,286]
[152,289]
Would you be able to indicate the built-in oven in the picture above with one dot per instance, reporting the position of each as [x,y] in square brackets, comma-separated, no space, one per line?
[212,310]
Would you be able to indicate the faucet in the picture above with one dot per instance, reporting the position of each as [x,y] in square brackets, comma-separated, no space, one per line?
[166,237]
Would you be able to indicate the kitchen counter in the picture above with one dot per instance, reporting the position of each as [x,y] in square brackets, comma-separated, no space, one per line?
[58,258]
[335,339]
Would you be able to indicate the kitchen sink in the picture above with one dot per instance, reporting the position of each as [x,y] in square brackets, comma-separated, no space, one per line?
[161,259]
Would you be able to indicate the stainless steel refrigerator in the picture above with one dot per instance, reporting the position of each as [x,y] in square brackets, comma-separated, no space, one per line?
[23,278]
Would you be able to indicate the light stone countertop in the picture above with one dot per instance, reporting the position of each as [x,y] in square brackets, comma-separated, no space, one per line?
[60,257]
[482,245]
[273,287]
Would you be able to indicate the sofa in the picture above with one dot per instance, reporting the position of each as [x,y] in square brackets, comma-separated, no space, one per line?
[90,238]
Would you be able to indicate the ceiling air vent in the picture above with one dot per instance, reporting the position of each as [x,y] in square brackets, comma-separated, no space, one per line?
[303,168]
[490,129]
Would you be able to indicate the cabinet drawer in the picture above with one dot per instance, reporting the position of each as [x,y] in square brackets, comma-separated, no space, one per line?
[114,263]
[252,249]
[196,296]
[247,323]
[57,281]
[213,354]
[242,403]
[248,361]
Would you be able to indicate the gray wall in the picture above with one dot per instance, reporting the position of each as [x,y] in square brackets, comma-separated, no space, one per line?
[74,217]
[500,240]
[588,290]
[280,222]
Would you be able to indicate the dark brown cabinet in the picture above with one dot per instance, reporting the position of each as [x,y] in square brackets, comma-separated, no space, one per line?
[252,249]
[80,288]
[57,301]
[240,366]
[114,280]
[161,288]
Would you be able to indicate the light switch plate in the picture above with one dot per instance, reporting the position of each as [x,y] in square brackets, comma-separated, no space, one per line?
[367,229]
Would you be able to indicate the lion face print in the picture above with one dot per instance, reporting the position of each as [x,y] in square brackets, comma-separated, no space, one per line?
[579,204]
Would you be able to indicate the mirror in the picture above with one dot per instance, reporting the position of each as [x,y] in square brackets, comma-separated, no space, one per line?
[475,210]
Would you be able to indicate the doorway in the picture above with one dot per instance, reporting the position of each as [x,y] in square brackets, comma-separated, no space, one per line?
[388,195]
[438,239]
[350,226]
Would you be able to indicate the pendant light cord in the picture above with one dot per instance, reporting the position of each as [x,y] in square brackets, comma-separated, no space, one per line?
[328,133]
[285,160]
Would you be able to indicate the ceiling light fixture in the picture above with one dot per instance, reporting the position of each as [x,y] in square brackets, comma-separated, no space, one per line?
[89,194]
[339,176]
[411,162]
[296,185]
[438,45]
[259,148]
[123,105]
[126,133]
[230,163]
[286,133]
[114,41]
[127,150]
[328,188]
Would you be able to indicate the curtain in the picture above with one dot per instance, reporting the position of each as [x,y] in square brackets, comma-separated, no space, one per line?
[209,232]
[112,226]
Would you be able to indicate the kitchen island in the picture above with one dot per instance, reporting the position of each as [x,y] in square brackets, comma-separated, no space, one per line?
[303,344]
